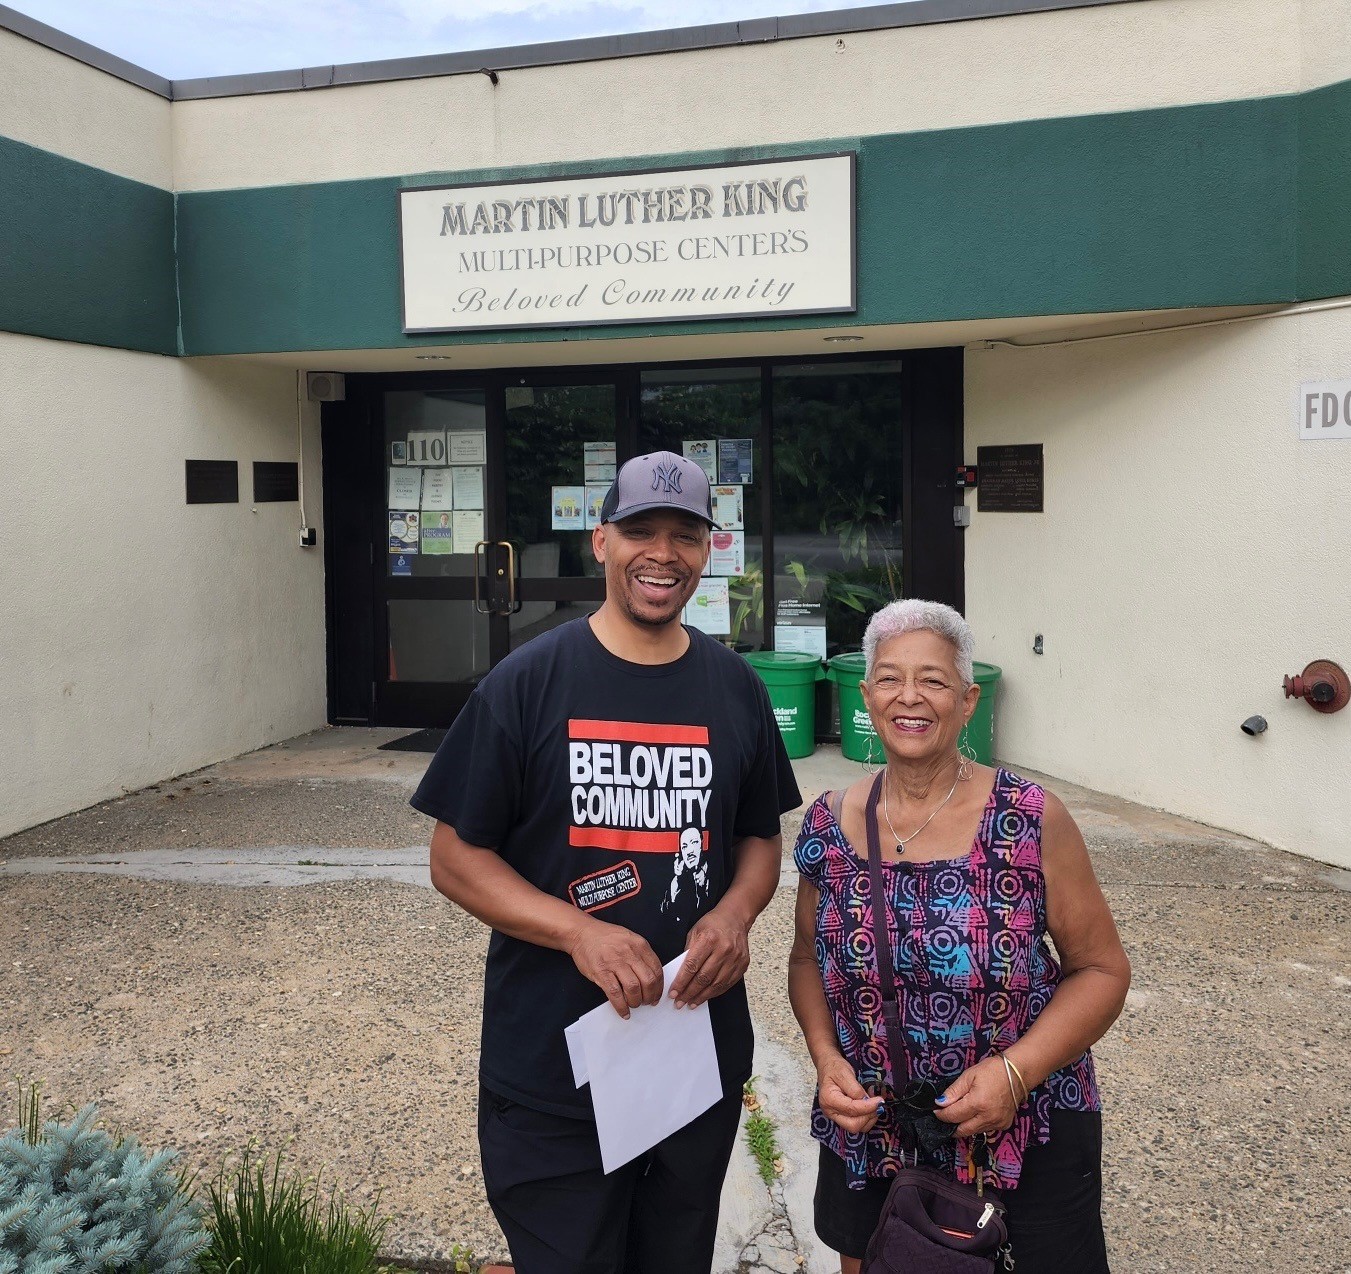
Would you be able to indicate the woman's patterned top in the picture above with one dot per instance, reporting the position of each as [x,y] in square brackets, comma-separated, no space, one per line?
[972,972]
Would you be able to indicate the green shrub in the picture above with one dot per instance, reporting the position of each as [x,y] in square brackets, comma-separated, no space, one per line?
[268,1222]
[75,1198]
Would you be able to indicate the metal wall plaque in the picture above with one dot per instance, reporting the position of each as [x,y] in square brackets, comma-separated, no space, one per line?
[1012,479]
[212,481]
[275,480]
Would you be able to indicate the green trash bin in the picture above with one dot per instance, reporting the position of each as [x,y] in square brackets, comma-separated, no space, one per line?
[791,680]
[856,727]
[978,737]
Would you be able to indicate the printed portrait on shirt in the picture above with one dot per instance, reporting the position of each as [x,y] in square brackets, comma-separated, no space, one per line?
[687,894]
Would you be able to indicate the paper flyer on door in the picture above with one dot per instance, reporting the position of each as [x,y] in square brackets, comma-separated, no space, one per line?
[595,498]
[569,509]
[467,448]
[403,530]
[734,460]
[728,553]
[405,488]
[467,484]
[729,508]
[438,535]
[437,492]
[468,527]
[710,609]
[704,453]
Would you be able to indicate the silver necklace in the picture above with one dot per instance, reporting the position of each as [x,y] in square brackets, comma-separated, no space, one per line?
[903,841]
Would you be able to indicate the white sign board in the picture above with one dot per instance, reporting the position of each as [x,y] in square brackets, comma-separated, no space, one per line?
[1325,409]
[767,238]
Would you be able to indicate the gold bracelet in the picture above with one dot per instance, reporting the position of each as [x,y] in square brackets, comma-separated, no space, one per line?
[1008,1074]
[1012,1069]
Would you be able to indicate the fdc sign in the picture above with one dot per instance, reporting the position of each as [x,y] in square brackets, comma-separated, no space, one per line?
[1325,409]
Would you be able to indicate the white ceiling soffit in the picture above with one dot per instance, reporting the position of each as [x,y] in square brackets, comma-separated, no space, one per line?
[818,342]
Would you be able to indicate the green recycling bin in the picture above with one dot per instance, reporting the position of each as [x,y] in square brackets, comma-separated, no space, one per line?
[856,728]
[978,737]
[791,681]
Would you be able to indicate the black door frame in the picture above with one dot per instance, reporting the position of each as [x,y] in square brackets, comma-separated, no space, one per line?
[931,394]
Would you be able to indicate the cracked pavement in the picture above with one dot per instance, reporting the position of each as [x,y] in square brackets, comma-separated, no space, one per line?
[251,952]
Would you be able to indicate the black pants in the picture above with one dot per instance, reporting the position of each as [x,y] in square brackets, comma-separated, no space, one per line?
[1054,1216]
[562,1215]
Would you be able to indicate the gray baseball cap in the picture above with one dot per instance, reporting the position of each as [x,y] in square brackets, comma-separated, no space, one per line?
[659,480]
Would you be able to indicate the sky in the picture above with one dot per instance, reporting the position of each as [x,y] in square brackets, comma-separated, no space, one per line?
[185,39]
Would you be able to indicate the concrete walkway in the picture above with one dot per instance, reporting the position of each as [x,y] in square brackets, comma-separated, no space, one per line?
[252,952]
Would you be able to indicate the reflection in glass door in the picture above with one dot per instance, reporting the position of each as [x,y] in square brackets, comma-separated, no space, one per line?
[490,494]
[714,415]
[839,469]
[475,495]
[560,460]
[437,632]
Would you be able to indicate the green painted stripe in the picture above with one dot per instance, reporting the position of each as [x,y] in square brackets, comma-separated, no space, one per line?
[88,256]
[1236,203]
[1186,206]
[1325,192]
[1146,210]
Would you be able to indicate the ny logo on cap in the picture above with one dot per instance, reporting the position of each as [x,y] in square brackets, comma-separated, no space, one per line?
[666,477]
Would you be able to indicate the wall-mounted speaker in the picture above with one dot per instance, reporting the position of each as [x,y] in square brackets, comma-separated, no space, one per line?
[326,387]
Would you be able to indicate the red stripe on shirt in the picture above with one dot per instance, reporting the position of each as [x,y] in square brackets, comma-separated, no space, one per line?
[627,841]
[636,732]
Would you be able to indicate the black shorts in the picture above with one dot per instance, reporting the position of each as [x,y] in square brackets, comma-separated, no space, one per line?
[1054,1216]
[562,1215]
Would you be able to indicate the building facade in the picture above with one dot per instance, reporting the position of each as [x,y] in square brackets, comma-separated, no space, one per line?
[1096,251]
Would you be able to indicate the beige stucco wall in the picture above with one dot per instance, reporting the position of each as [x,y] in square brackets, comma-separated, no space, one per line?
[1325,42]
[1029,66]
[144,637]
[59,104]
[1193,551]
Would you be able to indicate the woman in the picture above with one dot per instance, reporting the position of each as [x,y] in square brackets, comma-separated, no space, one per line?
[979,866]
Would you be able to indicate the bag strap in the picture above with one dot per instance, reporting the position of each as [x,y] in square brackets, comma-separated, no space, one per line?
[893,1045]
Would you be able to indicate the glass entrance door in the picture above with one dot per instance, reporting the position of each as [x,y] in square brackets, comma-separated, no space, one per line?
[561,446]
[492,489]
[458,508]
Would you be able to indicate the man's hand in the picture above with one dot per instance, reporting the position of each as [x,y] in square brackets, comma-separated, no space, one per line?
[718,953]
[619,962]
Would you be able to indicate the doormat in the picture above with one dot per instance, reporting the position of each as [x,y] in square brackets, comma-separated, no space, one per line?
[422,741]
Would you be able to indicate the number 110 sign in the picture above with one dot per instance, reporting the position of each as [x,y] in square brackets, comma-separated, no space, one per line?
[427,446]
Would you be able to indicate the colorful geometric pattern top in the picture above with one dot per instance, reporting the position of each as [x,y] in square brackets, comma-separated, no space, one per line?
[972,972]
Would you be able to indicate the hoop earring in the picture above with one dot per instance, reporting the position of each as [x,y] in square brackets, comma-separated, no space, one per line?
[870,762]
[966,765]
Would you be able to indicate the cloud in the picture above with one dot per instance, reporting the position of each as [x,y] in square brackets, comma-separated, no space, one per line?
[640,14]
[183,39]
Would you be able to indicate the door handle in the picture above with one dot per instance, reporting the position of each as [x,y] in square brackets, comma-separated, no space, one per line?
[479,572]
[513,602]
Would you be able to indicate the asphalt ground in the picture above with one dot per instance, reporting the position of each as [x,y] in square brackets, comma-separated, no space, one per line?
[251,954]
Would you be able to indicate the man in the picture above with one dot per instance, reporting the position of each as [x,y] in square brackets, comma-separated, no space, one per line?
[561,794]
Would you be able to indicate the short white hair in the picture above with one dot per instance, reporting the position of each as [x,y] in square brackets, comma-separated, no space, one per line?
[913,615]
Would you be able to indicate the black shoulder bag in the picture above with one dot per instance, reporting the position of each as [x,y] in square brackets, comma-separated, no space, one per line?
[929,1222]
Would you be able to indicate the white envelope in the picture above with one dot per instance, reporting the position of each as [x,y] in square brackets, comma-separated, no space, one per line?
[649,1076]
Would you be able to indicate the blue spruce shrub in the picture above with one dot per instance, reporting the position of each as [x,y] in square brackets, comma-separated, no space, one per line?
[75,1200]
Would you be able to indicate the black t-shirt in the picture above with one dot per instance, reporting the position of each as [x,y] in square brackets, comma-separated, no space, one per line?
[620,787]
